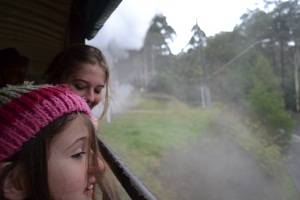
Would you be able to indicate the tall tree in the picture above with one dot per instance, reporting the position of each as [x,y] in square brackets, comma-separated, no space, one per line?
[159,35]
[198,39]
[192,61]
[194,67]
[280,27]
[286,34]
[293,23]
[220,49]
[156,49]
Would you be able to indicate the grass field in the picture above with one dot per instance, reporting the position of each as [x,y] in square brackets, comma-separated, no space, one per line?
[145,133]
[142,135]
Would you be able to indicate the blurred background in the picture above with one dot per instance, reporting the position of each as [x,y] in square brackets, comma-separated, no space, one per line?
[205,97]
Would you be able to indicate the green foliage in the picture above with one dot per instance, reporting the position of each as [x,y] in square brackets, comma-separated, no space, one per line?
[159,35]
[198,38]
[270,106]
[182,79]
[143,135]
[189,69]
[162,82]
[234,85]
[220,49]
[160,123]
[176,75]
[266,99]
[256,25]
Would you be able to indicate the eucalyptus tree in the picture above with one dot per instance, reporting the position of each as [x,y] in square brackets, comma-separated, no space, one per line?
[294,46]
[281,35]
[188,67]
[276,35]
[256,32]
[156,49]
[159,35]
[198,38]
[192,59]
[295,32]
[286,33]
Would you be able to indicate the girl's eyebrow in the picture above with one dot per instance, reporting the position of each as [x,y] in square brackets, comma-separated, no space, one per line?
[101,86]
[79,80]
[84,81]
[81,139]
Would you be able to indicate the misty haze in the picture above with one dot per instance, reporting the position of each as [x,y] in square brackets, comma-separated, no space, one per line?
[218,120]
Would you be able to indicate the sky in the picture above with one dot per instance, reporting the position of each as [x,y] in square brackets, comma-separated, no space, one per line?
[127,26]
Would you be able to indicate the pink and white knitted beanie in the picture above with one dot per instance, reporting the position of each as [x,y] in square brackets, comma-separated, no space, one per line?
[26,109]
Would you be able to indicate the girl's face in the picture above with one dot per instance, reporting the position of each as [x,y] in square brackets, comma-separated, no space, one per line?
[88,81]
[68,174]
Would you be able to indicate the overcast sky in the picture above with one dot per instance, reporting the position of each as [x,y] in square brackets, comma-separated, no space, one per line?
[128,24]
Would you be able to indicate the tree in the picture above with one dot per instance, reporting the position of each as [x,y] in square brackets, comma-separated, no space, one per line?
[198,39]
[266,99]
[191,62]
[280,27]
[159,35]
[156,50]
[220,49]
[255,26]
[295,37]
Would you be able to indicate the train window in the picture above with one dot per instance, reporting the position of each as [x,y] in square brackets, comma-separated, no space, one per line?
[205,96]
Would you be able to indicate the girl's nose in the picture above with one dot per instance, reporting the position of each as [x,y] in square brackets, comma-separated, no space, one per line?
[96,166]
[91,177]
[90,96]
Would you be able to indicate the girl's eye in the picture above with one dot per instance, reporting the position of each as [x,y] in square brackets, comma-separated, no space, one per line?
[78,156]
[79,86]
[98,91]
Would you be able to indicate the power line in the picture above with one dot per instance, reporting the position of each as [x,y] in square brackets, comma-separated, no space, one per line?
[222,68]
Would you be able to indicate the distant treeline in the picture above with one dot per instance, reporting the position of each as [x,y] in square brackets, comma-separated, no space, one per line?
[255,66]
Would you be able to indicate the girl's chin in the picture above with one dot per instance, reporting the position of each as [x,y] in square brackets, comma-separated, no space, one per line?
[89,193]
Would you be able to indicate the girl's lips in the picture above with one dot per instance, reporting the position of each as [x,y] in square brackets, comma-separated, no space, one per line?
[90,187]
[89,190]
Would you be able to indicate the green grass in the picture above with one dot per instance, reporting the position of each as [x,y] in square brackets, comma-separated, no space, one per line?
[142,135]
[148,133]
[151,131]
[253,137]
[157,124]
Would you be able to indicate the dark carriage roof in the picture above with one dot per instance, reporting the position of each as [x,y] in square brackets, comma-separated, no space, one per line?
[41,28]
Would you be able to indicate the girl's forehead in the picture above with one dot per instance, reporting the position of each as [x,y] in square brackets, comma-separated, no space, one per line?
[90,73]
[85,67]
[75,130]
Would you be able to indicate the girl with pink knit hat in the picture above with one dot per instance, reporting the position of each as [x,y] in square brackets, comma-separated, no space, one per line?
[48,146]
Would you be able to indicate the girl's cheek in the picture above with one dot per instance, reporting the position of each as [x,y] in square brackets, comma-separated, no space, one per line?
[67,178]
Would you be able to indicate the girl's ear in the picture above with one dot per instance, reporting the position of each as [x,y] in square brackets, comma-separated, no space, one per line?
[13,187]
